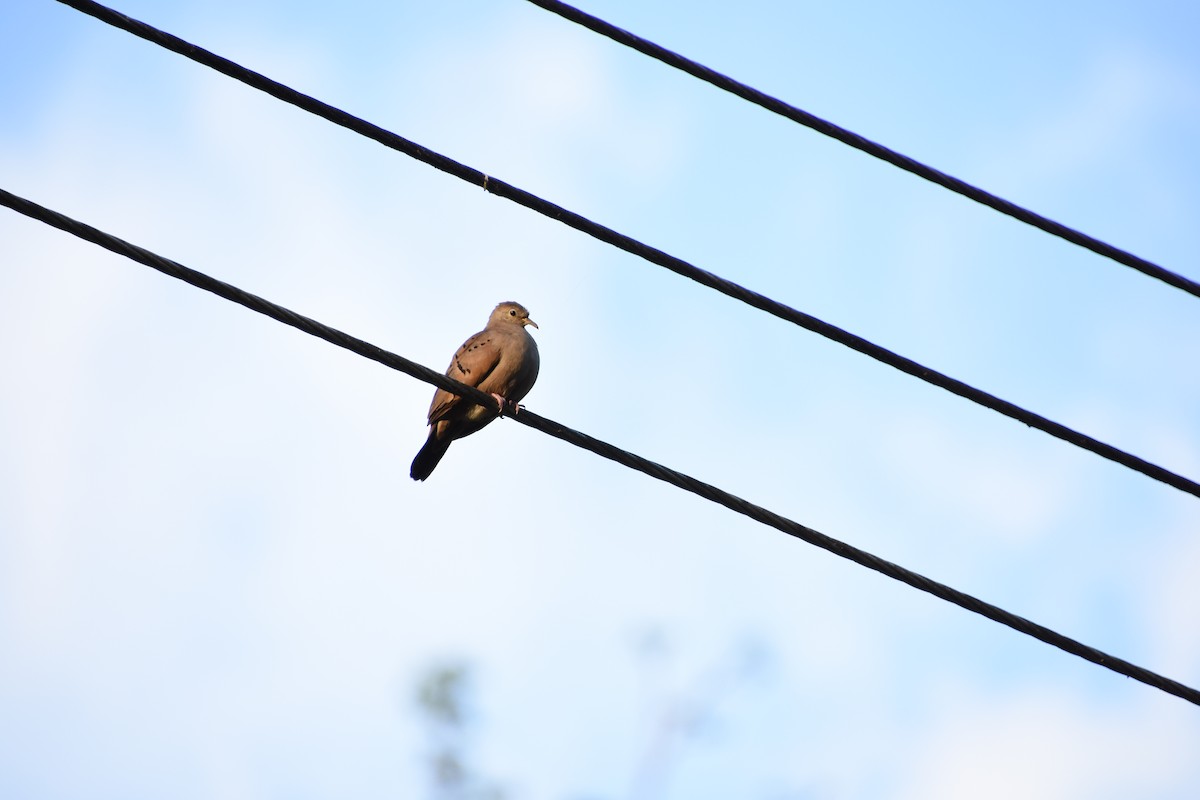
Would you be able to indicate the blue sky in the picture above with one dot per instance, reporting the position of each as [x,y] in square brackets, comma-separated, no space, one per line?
[217,580]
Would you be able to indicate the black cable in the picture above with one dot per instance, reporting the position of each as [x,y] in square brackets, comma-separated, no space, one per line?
[628,244]
[611,452]
[852,139]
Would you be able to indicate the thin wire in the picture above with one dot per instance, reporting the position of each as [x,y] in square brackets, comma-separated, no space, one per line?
[629,244]
[867,146]
[601,448]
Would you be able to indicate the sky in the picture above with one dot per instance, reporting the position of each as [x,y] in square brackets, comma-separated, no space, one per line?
[218,581]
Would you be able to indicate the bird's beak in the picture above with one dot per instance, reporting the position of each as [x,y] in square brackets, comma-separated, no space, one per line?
[528,321]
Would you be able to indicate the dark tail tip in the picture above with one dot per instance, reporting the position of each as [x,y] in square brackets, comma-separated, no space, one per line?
[428,457]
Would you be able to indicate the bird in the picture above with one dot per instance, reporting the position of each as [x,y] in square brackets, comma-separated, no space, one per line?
[502,360]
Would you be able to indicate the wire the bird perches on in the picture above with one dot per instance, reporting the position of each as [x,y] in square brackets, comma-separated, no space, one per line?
[604,449]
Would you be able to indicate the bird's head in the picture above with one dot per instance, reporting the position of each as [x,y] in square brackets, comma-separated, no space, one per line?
[511,314]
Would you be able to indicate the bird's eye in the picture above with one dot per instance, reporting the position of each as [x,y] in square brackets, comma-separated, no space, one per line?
[512,312]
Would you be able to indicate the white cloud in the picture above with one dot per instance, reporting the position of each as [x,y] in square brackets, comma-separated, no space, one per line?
[1049,744]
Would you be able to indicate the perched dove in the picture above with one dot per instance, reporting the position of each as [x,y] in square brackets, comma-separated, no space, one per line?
[501,360]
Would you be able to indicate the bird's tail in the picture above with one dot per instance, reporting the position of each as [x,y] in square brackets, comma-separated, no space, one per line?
[429,456]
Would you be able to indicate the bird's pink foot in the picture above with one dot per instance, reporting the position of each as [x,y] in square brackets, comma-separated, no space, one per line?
[505,405]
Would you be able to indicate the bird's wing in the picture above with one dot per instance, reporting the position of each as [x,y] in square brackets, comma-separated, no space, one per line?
[471,365]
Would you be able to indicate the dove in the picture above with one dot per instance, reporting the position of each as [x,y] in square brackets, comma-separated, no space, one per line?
[502,360]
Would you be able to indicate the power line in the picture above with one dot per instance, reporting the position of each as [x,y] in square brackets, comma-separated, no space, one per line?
[629,244]
[601,448]
[773,104]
